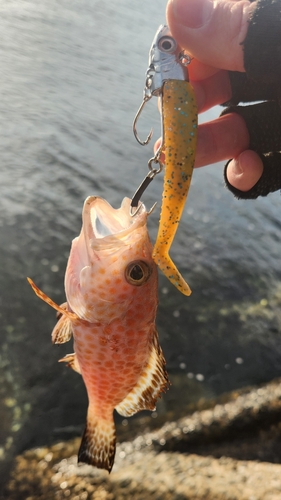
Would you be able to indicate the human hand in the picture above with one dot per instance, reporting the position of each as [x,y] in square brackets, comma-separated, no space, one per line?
[212,33]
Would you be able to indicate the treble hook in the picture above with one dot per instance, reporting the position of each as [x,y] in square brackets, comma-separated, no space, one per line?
[143,143]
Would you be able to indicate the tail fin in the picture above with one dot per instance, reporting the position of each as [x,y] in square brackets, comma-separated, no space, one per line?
[98,443]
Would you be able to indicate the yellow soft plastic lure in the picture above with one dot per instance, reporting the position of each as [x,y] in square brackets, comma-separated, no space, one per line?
[180,134]
[167,77]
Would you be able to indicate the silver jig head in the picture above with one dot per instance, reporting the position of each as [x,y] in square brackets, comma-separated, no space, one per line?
[166,61]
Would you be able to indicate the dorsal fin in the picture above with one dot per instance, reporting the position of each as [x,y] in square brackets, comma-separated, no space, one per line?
[62,331]
[51,303]
[72,362]
[151,383]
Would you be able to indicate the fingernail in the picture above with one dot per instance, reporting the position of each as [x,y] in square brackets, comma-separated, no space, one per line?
[192,13]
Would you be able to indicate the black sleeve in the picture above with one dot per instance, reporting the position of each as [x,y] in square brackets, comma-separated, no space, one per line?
[261,82]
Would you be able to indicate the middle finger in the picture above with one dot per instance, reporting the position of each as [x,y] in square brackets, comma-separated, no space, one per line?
[211,91]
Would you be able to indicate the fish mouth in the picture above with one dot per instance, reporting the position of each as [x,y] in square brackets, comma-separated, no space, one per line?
[104,225]
[106,236]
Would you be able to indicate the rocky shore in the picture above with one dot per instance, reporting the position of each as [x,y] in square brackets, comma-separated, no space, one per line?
[228,451]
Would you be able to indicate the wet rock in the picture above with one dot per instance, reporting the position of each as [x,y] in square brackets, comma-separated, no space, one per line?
[220,453]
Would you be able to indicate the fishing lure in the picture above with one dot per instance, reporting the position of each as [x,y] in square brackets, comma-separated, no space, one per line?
[167,78]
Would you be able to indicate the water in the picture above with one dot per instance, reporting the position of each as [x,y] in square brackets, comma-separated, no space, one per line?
[72,76]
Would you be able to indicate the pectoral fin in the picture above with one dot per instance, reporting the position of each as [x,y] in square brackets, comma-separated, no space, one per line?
[64,307]
[151,383]
[72,362]
[51,303]
[62,331]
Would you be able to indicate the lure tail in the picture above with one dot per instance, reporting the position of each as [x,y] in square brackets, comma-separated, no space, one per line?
[99,442]
[171,272]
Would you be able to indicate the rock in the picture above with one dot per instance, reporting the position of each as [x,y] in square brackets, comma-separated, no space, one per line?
[212,454]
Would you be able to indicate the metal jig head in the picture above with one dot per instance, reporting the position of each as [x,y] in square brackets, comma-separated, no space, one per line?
[166,61]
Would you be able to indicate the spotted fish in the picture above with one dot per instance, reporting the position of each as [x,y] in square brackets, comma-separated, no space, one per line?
[111,291]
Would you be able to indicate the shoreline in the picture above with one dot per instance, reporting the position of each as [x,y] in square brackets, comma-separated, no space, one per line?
[231,450]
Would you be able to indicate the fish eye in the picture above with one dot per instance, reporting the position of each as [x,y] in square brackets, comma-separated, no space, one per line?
[167,44]
[137,272]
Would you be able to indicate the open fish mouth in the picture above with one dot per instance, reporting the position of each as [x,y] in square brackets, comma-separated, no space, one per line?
[109,241]
[104,224]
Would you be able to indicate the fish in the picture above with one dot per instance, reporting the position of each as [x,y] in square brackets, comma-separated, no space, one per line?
[110,311]
[167,78]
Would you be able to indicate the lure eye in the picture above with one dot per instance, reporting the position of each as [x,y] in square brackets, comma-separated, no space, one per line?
[167,44]
[137,272]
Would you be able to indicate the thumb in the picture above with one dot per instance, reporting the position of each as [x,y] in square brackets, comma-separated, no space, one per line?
[212,31]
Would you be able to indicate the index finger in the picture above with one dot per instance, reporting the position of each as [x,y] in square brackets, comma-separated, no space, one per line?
[212,31]
[199,71]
